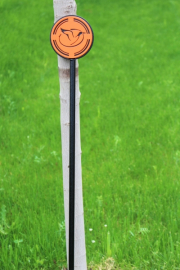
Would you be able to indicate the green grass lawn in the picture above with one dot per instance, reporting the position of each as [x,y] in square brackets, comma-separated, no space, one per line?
[130,134]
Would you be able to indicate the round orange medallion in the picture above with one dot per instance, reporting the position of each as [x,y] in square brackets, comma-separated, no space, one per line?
[71,37]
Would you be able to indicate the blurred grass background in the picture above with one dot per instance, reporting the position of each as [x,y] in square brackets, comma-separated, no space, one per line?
[130,128]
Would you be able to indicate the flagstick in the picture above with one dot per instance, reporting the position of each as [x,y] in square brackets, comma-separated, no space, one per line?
[72,165]
[63,46]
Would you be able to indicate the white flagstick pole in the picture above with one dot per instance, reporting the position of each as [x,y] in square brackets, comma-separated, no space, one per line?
[65,46]
[63,8]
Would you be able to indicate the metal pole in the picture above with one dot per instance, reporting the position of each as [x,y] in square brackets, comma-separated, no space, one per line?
[72,165]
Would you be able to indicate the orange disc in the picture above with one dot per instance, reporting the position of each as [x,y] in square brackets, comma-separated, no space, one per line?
[71,37]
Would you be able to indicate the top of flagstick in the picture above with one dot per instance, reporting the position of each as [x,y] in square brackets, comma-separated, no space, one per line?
[71,37]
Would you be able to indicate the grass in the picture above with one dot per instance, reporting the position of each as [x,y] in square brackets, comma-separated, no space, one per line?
[130,111]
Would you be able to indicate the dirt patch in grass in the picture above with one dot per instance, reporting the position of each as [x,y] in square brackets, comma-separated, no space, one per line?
[108,264]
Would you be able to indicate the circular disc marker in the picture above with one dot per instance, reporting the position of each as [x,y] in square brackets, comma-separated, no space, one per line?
[71,37]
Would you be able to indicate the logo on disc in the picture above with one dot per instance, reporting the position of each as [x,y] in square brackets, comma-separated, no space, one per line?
[71,37]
